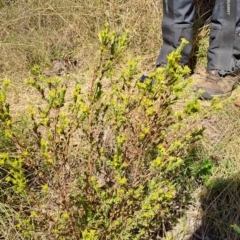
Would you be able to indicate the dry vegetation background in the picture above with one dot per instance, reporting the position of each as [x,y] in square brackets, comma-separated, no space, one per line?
[65,32]
[37,32]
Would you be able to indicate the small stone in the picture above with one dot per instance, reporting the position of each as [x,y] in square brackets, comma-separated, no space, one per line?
[237,103]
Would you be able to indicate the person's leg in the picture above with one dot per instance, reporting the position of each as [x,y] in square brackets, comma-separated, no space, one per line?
[224,47]
[177,23]
[236,44]
[224,50]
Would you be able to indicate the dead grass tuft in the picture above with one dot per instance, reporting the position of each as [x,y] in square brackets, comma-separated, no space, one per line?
[38,32]
[220,210]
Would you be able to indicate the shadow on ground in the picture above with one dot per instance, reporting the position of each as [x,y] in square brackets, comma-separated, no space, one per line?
[220,205]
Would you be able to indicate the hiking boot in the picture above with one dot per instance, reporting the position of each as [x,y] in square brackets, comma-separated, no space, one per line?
[216,85]
[143,78]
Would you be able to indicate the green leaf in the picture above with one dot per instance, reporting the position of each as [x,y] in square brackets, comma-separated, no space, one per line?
[236,228]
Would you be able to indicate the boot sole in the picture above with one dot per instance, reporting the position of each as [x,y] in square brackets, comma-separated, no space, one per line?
[207,96]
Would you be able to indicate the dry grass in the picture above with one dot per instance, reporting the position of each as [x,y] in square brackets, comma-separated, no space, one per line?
[215,207]
[220,201]
[8,228]
[37,32]
[220,210]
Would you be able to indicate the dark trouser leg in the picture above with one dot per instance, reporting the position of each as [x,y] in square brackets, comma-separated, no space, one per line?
[236,45]
[177,23]
[224,48]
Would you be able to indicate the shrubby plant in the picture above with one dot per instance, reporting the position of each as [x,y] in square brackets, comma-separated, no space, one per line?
[106,163]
